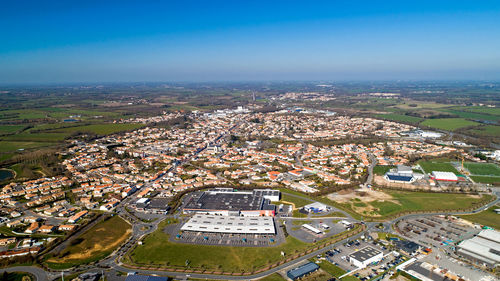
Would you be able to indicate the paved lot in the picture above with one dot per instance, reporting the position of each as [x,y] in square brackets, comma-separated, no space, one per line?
[294,228]
[338,255]
[436,231]
[221,239]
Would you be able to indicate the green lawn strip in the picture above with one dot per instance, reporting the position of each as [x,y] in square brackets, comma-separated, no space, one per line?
[299,202]
[488,217]
[37,137]
[449,124]
[486,179]
[273,277]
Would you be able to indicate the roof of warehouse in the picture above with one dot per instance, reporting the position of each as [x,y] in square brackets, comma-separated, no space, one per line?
[365,253]
[230,224]
[137,277]
[399,177]
[302,270]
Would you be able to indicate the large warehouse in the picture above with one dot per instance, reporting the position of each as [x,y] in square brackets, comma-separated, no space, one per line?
[444,176]
[228,202]
[230,224]
[365,256]
[483,249]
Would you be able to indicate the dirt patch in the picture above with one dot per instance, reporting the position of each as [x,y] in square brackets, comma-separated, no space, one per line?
[365,195]
[94,250]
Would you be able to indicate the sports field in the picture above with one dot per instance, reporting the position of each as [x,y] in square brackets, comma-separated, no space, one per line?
[449,124]
[96,243]
[483,169]
[488,218]
[441,166]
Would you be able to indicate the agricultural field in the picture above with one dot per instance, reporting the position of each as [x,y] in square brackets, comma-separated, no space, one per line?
[9,129]
[441,166]
[488,217]
[96,243]
[100,129]
[486,131]
[9,146]
[448,124]
[400,117]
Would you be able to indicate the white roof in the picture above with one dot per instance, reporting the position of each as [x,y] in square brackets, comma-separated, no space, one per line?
[490,234]
[312,228]
[481,244]
[142,200]
[316,205]
[230,224]
[444,175]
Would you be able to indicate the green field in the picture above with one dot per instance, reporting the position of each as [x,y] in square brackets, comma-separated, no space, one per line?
[299,202]
[400,117]
[331,268]
[472,115]
[381,170]
[100,129]
[96,243]
[449,124]
[8,146]
[9,129]
[486,179]
[488,130]
[483,169]
[439,166]
[409,201]
[37,137]
[488,218]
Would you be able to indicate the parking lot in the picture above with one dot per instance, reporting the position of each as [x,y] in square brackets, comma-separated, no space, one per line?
[338,256]
[436,231]
[224,239]
[388,262]
[329,227]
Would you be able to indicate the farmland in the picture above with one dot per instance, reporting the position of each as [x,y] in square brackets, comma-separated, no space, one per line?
[449,124]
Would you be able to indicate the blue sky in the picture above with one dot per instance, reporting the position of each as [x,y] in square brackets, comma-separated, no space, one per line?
[92,41]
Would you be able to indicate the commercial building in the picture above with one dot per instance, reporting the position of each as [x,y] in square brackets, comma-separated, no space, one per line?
[230,224]
[228,202]
[483,249]
[444,176]
[316,207]
[302,271]
[365,256]
[312,229]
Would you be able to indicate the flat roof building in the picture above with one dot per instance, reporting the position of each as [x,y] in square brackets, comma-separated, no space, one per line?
[316,207]
[230,224]
[302,270]
[483,249]
[444,176]
[228,202]
[365,256]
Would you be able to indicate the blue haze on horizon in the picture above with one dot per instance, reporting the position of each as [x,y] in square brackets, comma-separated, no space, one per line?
[97,41]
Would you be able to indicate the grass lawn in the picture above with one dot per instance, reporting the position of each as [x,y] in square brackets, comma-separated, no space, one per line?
[8,146]
[440,166]
[400,117]
[299,202]
[449,124]
[488,217]
[483,169]
[386,207]
[381,170]
[94,244]
[273,277]
[486,179]
[331,268]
